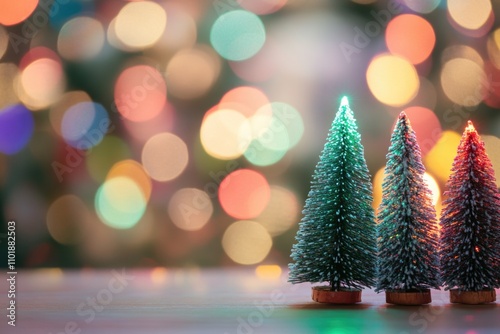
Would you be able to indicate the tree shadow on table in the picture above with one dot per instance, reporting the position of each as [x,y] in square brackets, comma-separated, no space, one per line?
[324,306]
[488,306]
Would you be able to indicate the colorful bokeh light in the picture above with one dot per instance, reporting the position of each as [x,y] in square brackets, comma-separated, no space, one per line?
[84,125]
[271,141]
[134,171]
[393,80]
[67,100]
[113,39]
[433,187]
[422,6]
[36,53]
[462,51]
[276,220]
[8,74]
[181,31]
[440,159]
[291,120]
[41,83]
[470,14]
[81,38]
[262,7]
[16,128]
[140,93]
[63,11]
[120,203]
[262,131]
[493,46]
[142,131]
[139,25]
[159,275]
[190,209]
[245,99]
[225,134]
[411,37]
[244,194]
[164,156]
[4,41]
[492,144]
[14,12]
[378,179]
[192,72]
[268,272]
[66,218]
[238,35]
[463,81]
[246,242]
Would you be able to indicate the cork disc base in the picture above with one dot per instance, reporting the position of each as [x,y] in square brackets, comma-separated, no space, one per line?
[323,294]
[472,297]
[407,297]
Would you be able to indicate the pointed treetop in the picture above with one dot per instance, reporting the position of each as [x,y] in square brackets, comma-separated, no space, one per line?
[336,240]
[344,102]
[344,109]
[406,216]
[470,127]
[470,219]
[403,120]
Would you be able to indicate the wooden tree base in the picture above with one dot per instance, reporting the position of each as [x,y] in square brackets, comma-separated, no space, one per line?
[472,297]
[408,297]
[323,294]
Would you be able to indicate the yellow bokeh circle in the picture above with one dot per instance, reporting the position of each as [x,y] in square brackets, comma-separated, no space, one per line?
[392,80]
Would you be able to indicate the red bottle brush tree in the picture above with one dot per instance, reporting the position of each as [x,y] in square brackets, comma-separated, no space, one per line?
[470,225]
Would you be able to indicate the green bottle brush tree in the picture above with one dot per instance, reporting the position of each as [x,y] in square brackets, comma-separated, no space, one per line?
[408,263]
[336,238]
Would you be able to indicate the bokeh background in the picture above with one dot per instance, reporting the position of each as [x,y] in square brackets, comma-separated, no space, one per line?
[185,132]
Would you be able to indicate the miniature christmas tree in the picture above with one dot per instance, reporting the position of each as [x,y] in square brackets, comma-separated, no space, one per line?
[336,237]
[470,221]
[407,231]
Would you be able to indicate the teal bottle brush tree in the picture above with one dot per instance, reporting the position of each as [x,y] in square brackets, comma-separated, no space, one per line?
[336,238]
[470,225]
[407,263]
